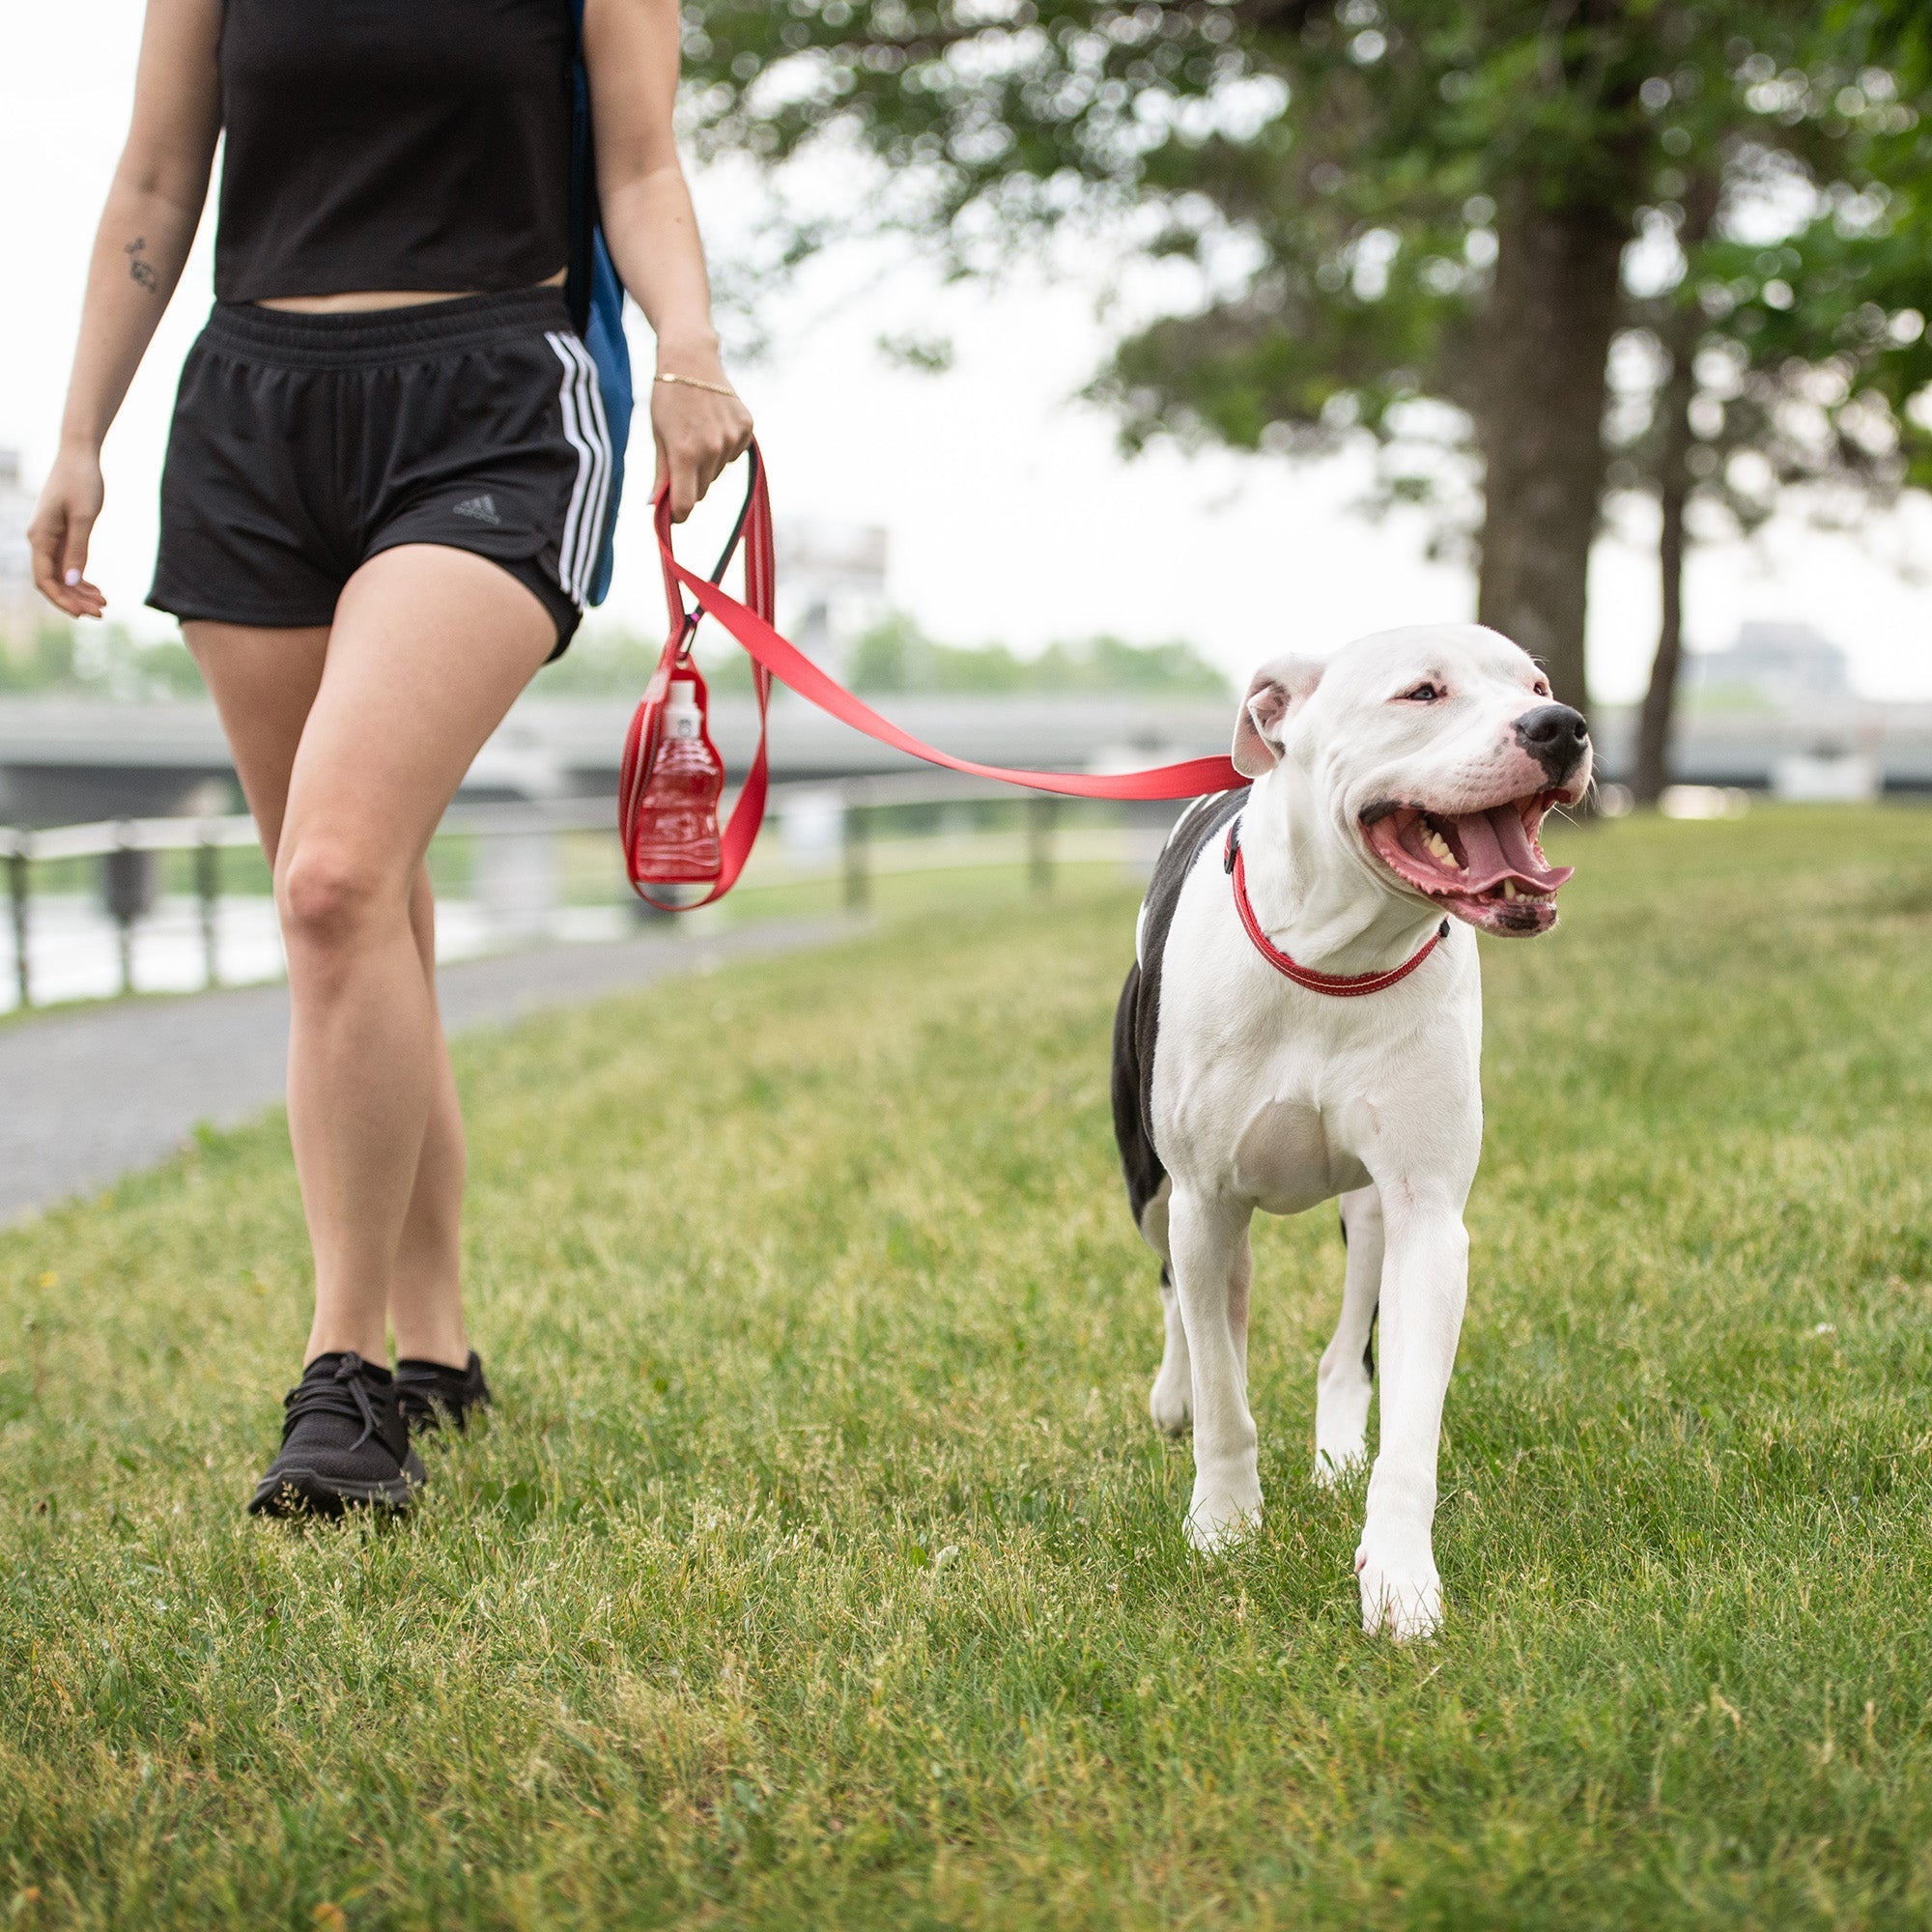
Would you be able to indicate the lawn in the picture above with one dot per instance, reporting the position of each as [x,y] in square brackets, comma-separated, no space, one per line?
[821,1567]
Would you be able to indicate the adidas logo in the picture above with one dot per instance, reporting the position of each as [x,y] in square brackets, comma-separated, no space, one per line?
[482,508]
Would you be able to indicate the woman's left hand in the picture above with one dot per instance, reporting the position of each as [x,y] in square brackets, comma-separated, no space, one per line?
[697,431]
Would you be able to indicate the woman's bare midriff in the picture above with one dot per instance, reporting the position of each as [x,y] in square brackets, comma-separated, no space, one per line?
[373,298]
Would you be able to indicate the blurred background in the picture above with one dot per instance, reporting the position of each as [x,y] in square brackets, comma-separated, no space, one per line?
[1098,352]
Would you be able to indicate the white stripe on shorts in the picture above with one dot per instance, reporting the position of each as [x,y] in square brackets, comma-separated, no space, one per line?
[598,430]
[583,427]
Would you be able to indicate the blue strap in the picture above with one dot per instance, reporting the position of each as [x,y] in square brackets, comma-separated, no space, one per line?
[595,298]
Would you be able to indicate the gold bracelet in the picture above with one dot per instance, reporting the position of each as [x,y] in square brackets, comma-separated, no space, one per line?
[691,382]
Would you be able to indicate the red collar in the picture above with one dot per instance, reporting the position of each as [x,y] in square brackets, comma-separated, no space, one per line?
[1338,985]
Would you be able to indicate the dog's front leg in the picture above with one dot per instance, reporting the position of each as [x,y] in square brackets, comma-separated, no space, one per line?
[1344,1382]
[1425,1284]
[1209,1241]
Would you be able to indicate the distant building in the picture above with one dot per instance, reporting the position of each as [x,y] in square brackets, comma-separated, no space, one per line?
[832,578]
[21,610]
[1773,667]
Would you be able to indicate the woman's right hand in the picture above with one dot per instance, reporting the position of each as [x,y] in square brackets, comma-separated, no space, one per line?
[62,521]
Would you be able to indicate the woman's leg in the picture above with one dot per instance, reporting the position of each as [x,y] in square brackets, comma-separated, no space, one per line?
[426,1289]
[429,648]
[264,682]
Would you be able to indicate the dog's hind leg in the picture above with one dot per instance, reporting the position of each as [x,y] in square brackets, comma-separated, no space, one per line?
[1209,1245]
[1148,1191]
[1346,1378]
[1172,1399]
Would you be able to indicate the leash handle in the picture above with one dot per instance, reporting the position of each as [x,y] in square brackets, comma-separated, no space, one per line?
[752,624]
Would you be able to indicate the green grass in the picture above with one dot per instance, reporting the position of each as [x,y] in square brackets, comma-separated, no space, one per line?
[798,1279]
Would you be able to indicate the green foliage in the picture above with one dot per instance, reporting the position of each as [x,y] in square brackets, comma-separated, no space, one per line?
[604,660]
[1343,176]
[895,656]
[928,355]
[1816,353]
[45,664]
[1812,364]
[69,660]
[820,1566]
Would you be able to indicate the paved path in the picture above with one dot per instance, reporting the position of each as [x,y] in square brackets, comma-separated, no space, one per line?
[86,1097]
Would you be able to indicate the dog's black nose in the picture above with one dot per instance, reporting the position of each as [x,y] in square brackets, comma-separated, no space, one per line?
[1556,737]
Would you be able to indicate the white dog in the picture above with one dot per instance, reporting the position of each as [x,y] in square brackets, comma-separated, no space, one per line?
[1302,1022]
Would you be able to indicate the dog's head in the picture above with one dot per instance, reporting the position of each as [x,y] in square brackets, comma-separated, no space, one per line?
[1429,757]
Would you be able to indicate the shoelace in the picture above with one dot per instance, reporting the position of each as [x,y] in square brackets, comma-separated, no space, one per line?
[344,1393]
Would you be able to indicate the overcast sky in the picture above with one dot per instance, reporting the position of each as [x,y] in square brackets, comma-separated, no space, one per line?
[1010,513]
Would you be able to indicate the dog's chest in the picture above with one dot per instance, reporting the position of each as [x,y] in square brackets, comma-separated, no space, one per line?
[1288,1160]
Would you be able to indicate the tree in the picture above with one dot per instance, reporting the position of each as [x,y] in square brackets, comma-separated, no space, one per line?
[1802,365]
[1387,206]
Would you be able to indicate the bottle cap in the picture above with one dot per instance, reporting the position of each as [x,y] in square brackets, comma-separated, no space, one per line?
[683,691]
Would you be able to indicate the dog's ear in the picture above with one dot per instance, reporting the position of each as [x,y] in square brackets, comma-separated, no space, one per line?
[1275,693]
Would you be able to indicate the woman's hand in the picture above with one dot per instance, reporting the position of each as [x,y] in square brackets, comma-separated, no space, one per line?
[697,431]
[62,521]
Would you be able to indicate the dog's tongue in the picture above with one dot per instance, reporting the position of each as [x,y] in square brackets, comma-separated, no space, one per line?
[1495,847]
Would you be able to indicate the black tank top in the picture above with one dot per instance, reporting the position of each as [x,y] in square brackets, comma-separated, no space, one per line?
[392,144]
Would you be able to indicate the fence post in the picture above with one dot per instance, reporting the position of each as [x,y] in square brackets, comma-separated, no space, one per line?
[1042,813]
[127,875]
[208,887]
[17,886]
[857,833]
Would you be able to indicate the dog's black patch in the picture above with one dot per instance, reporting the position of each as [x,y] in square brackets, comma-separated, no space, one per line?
[1137,1018]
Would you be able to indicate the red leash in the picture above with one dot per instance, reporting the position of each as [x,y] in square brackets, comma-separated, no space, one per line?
[1337,985]
[752,624]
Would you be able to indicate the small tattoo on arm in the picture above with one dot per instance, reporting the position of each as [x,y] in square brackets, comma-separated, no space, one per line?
[140,271]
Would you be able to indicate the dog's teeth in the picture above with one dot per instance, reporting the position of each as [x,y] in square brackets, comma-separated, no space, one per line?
[1438,845]
[1509,889]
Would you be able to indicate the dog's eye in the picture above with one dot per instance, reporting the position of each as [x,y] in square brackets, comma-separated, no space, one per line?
[1541,687]
[1423,693]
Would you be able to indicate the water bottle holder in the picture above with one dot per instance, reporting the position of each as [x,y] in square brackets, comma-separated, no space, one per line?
[648,866]
[646,739]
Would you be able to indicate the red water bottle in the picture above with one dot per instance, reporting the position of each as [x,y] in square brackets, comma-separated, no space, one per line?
[677,819]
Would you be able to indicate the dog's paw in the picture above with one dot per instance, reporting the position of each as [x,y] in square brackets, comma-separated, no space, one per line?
[1171,1402]
[1334,1465]
[1216,1523]
[1402,1600]
[1341,1400]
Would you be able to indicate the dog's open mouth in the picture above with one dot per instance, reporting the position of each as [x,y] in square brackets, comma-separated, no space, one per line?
[1484,866]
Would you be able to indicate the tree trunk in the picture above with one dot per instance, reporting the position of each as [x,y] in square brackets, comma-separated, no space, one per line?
[1540,386]
[1652,769]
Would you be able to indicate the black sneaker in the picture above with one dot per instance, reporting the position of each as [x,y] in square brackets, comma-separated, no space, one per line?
[345,1443]
[429,1392]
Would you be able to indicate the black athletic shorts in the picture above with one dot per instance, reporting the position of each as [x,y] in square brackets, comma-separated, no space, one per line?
[303,444]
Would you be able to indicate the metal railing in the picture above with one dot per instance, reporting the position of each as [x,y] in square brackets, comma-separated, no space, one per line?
[126,850]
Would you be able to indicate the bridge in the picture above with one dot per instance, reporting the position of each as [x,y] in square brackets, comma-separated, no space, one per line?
[63,761]
[66,761]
